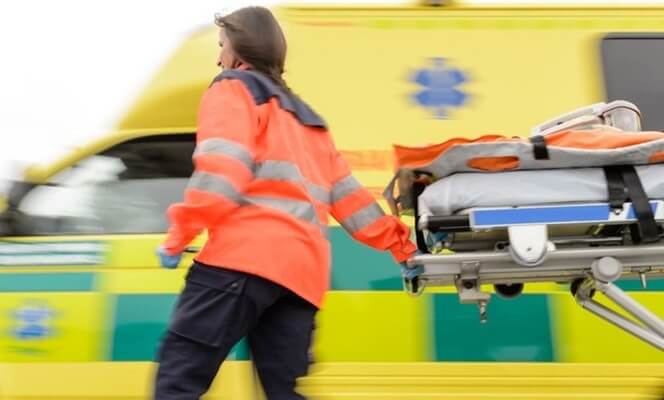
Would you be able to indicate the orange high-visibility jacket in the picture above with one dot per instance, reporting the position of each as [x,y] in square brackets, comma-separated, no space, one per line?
[267,174]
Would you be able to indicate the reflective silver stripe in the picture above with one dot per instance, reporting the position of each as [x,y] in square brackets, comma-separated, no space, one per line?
[302,210]
[344,187]
[214,184]
[286,171]
[362,218]
[278,170]
[318,193]
[226,148]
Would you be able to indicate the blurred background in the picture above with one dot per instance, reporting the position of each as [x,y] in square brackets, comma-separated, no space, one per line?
[91,59]
[97,115]
[71,68]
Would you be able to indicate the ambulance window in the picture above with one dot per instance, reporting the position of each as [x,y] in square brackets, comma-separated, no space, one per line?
[632,66]
[123,190]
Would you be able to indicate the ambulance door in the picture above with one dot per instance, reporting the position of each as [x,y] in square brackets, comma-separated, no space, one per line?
[78,252]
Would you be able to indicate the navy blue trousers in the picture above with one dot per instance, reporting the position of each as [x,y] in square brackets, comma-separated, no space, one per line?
[216,309]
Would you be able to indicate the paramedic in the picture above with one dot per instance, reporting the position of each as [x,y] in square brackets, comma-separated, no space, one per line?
[266,176]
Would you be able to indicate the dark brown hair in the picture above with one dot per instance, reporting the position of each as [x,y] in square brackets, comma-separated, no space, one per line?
[257,40]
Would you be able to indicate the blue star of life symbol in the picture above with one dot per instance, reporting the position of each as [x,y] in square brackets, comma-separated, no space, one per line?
[439,87]
[33,322]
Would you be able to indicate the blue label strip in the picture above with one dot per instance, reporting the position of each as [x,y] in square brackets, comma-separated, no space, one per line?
[594,213]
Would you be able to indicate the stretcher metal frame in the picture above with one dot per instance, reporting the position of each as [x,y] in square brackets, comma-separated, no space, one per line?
[531,256]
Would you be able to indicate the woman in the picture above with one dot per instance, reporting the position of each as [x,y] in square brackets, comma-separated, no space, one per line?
[267,176]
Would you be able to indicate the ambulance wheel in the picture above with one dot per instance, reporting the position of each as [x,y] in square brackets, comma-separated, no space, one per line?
[509,290]
[574,287]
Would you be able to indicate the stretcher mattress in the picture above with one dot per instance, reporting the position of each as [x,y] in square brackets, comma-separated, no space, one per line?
[593,148]
[530,187]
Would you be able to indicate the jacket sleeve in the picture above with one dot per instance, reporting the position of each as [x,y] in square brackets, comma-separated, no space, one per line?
[361,216]
[223,162]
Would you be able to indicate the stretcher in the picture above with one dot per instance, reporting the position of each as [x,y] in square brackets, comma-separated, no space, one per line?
[580,202]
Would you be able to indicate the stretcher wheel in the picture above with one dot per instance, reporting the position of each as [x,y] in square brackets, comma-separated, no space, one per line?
[508,291]
[414,286]
[574,287]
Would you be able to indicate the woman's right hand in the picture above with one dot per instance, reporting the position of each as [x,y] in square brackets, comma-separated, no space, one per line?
[170,261]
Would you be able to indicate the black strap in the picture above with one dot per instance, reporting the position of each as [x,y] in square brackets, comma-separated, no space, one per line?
[635,233]
[616,187]
[641,205]
[539,147]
